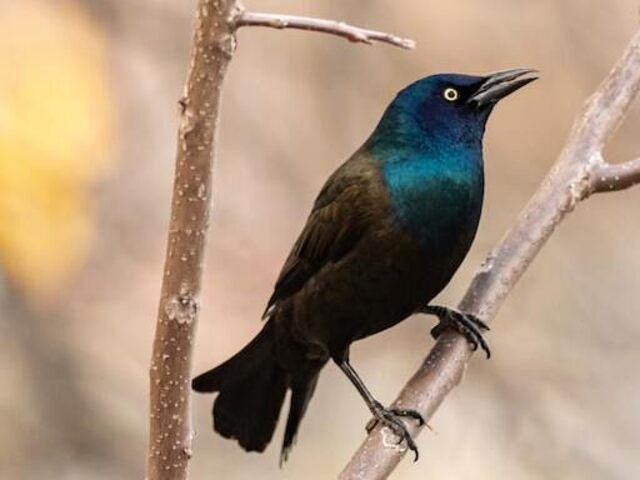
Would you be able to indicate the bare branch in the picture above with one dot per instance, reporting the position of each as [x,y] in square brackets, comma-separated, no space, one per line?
[574,176]
[613,177]
[610,103]
[170,435]
[341,29]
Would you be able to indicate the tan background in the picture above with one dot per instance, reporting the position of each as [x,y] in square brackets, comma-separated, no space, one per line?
[88,93]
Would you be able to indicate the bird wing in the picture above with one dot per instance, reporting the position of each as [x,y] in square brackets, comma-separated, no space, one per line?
[336,223]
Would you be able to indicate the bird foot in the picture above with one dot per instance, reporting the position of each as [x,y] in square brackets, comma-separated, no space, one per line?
[390,418]
[466,324]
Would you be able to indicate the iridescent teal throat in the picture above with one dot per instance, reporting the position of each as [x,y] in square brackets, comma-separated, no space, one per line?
[434,178]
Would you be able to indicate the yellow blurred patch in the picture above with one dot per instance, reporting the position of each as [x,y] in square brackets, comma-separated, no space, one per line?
[56,117]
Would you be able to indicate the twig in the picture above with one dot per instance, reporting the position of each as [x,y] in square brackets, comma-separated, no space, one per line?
[341,29]
[613,177]
[578,172]
[170,434]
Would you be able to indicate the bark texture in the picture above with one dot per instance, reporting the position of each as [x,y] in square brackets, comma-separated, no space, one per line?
[170,433]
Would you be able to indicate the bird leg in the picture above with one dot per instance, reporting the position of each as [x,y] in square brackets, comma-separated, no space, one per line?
[389,417]
[466,324]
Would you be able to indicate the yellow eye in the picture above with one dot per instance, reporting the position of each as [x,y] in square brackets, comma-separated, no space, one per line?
[451,94]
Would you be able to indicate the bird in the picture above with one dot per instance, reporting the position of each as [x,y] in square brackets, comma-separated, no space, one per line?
[386,234]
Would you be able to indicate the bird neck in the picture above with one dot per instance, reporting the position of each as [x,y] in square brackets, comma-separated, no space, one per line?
[415,155]
[435,183]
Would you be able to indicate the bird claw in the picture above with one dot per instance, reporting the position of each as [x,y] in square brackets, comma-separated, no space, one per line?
[406,412]
[466,324]
[390,418]
[398,412]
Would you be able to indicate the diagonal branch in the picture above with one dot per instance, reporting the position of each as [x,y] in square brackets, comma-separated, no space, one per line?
[341,29]
[578,172]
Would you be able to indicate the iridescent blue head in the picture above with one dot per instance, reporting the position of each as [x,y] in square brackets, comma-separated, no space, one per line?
[444,110]
[429,148]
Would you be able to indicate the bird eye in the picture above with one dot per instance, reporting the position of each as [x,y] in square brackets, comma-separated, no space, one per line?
[451,94]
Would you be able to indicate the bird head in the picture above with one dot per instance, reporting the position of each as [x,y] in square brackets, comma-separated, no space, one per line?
[450,108]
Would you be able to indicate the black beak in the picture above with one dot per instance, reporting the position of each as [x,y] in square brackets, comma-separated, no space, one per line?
[500,84]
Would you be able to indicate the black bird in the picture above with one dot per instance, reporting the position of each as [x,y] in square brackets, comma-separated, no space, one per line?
[387,232]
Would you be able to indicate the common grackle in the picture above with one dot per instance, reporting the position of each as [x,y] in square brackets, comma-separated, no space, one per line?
[387,232]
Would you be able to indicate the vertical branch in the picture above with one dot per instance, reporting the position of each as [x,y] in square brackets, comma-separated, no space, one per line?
[170,433]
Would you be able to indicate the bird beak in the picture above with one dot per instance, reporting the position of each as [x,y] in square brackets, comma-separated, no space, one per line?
[500,84]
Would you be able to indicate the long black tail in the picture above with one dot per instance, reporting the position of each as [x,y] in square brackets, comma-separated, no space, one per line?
[252,387]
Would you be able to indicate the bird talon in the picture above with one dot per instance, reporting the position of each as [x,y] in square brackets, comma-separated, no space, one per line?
[371,424]
[466,324]
[390,418]
[404,412]
[473,319]
[414,449]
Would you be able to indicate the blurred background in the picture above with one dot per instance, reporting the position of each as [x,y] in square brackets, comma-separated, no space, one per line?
[88,93]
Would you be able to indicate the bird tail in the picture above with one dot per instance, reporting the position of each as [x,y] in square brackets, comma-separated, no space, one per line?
[252,387]
[302,389]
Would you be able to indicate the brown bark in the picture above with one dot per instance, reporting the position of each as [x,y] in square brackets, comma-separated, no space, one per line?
[170,433]
[579,171]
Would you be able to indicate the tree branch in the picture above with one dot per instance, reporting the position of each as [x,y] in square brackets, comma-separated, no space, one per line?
[341,29]
[613,177]
[214,42]
[578,172]
[170,435]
